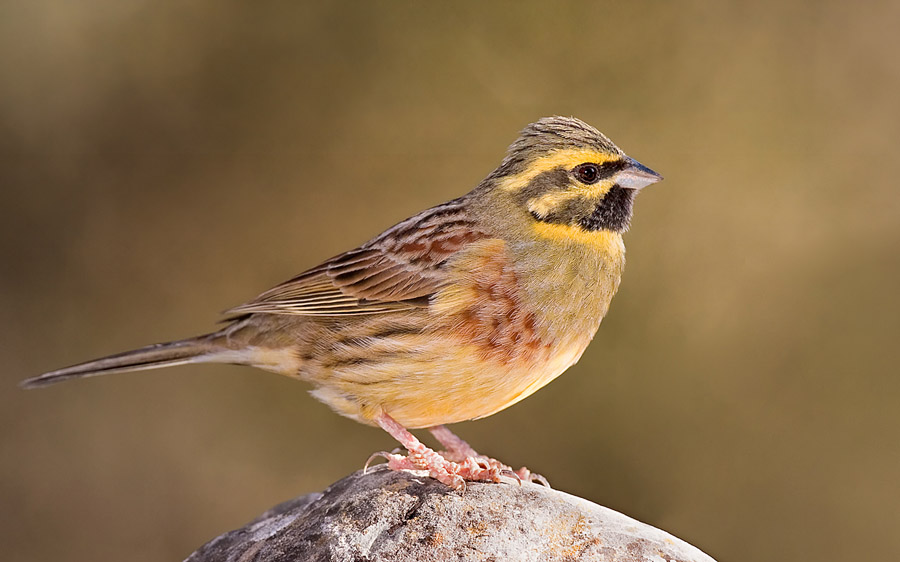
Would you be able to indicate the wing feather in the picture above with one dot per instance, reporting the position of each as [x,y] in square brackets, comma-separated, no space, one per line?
[397,270]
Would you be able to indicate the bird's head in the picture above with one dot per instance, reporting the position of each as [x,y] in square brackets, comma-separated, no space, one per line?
[567,176]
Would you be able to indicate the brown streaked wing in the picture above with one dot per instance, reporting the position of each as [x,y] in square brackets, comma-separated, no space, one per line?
[398,270]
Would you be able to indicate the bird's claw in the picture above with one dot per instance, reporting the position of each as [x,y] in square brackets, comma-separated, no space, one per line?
[528,476]
[521,475]
[511,474]
[373,456]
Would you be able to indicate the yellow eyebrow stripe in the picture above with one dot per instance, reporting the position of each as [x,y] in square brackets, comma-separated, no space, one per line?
[559,158]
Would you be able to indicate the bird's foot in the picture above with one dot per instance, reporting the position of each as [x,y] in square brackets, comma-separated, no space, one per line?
[458,450]
[497,467]
[459,464]
[453,474]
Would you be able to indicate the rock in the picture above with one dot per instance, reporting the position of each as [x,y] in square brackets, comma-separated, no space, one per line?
[400,516]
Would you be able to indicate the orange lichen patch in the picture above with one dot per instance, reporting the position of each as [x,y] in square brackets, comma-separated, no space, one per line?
[435,540]
[478,528]
[569,541]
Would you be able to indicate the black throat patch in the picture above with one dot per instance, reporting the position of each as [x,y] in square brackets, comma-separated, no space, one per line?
[613,213]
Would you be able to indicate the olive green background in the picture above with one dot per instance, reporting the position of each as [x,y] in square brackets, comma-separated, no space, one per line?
[162,161]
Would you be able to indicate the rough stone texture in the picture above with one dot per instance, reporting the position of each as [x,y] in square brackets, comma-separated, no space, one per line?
[399,517]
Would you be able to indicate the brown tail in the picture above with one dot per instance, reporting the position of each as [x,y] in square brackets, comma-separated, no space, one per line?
[192,350]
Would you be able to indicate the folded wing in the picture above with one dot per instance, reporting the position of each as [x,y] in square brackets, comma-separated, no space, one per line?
[398,270]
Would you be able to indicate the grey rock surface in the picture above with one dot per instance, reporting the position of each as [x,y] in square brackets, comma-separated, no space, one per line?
[399,517]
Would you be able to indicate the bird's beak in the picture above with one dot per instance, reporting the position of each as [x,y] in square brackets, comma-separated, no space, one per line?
[636,175]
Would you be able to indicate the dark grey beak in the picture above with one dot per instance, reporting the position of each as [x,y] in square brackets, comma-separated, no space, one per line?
[636,175]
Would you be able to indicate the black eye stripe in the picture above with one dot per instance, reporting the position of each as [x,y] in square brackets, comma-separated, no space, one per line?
[605,170]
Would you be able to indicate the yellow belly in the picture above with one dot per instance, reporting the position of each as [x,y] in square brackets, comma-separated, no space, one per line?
[449,383]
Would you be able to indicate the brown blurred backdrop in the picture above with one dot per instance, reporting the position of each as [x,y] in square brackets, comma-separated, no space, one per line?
[164,160]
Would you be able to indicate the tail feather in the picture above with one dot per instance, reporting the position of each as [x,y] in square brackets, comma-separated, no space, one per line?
[150,357]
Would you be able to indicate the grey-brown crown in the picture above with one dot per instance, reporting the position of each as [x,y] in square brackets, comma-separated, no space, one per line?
[552,133]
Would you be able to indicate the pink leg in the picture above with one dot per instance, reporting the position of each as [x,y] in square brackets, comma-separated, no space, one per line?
[455,446]
[453,474]
[458,449]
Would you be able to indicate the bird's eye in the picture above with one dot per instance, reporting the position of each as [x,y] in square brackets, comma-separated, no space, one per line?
[587,173]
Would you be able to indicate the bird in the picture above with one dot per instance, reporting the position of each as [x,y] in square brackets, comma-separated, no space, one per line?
[453,314]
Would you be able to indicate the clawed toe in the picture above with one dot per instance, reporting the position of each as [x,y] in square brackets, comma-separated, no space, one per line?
[511,474]
[539,478]
[496,469]
[528,476]
[373,456]
[477,470]
[394,461]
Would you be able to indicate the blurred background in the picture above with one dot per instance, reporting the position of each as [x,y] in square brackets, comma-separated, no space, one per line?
[164,160]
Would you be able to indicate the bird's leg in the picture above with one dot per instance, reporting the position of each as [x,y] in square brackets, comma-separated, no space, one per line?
[420,457]
[458,450]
